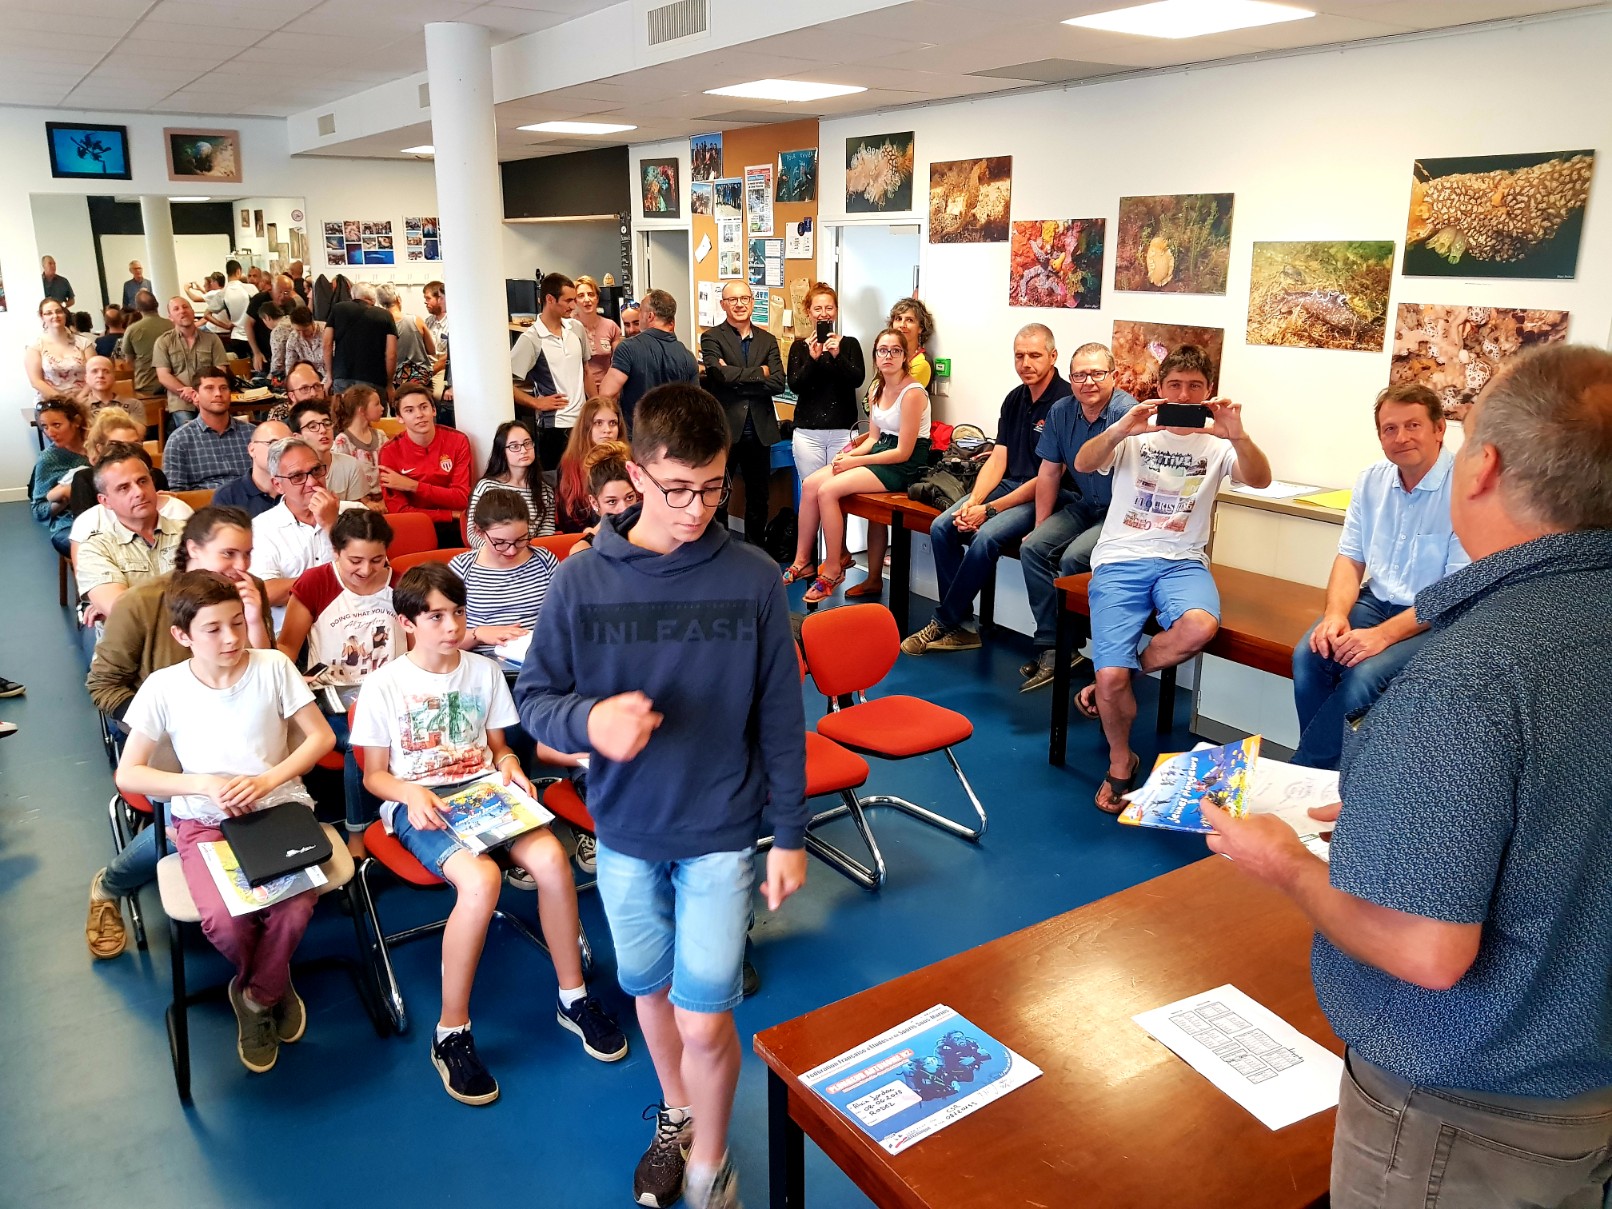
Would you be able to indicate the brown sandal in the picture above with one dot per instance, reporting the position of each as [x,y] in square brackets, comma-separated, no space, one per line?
[822,588]
[1086,706]
[1118,787]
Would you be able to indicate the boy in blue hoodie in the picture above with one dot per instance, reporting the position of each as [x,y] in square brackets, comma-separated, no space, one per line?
[667,652]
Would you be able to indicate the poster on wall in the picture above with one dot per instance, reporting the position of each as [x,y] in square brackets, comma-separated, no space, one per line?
[705,157]
[729,249]
[299,244]
[246,220]
[798,239]
[797,176]
[422,238]
[205,156]
[727,199]
[766,262]
[1498,215]
[1140,347]
[878,173]
[335,244]
[1321,294]
[708,313]
[1056,263]
[761,313]
[969,200]
[1455,350]
[701,199]
[377,243]
[84,151]
[353,242]
[758,199]
[257,223]
[658,193]
[1177,243]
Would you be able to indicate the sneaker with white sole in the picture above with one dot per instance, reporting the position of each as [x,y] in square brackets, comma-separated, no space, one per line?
[520,879]
[1040,673]
[255,1039]
[658,1180]
[602,1037]
[587,853]
[464,1075]
[720,1192]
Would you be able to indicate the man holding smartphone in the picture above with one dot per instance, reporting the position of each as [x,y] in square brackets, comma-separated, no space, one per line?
[1168,460]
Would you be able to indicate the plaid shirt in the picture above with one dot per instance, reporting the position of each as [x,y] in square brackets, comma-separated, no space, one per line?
[198,458]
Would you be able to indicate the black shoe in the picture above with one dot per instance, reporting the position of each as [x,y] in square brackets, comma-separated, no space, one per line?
[463,1074]
[658,1179]
[752,979]
[10,688]
[601,1038]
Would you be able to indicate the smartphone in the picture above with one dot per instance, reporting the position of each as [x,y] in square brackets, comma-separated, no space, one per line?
[316,671]
[825,329]
[1181,415]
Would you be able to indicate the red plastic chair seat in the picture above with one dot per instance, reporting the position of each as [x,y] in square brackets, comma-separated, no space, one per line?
[830,768]
[333,761]
[564,800]
[896,727]
[139,802]
[397,859]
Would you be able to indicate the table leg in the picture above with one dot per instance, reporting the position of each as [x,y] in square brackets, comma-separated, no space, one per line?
[786,1147]
[1166,701]
[1063,648]
[988,603]
[900,571]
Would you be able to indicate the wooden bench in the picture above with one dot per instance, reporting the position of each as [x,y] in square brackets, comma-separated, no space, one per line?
[1261,620]
[905,517]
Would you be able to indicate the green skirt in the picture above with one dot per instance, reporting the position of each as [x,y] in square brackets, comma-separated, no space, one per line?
[900,475]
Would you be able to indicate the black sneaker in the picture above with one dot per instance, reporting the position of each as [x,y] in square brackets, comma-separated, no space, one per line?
[601,1037]
[751,977]
[464,1076]
[658,1180]
[10,688]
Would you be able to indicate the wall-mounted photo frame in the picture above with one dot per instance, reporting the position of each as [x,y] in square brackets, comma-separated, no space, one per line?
[84,151]
[204,156]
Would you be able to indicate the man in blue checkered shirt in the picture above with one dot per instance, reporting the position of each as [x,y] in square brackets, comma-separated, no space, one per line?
[212,449]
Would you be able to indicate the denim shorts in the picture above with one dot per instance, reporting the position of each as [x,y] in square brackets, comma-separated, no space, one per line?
[680,924]
[1125,594]
[431,848]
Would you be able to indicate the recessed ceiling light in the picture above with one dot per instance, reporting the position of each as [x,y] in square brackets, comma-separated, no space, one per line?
[578,127]
[785,90]
[1190,18]
[422,149]
[189,199]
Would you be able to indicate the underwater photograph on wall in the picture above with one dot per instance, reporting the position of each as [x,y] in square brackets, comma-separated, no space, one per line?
[1455,350]
[1139,348]
[969,200]
[878,173]
[1321,294]
[1056,262]
[1173,243]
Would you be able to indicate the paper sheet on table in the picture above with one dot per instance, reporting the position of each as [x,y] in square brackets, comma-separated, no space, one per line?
[1250,1053]
[1338,500]
[1278,490]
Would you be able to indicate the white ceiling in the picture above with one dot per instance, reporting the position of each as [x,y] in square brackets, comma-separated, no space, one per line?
[278,57]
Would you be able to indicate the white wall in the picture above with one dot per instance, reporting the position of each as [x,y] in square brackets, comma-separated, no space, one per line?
[331,188]
[63,231]
[666,149]
[1316,146]
[592,247]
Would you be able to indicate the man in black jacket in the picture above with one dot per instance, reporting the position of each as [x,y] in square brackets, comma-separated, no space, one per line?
[744,370]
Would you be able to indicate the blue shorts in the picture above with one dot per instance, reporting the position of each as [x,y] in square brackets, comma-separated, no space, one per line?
[431,848]
[680,924]
[1124,595]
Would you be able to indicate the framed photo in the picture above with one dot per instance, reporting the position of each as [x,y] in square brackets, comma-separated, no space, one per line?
[658,192]
[81,151]
[257,222]
[246,220]
[204,156]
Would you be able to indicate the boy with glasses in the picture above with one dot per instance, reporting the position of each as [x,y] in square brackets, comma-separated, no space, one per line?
[667,652]
[345,476]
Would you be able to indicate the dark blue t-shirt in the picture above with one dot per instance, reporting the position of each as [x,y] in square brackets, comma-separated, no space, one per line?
[650,359]
[1019,428]
[1067,429]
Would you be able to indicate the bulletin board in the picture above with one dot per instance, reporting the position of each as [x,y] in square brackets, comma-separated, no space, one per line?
[749,148]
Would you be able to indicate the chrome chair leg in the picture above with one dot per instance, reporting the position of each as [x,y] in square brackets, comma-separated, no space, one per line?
[925,815]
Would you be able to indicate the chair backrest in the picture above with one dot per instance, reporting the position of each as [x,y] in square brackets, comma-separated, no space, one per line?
[412,532]
[123,389]
[559,545]
[197,499]
[154,451]
[850,648]
[400,565]
[392,428]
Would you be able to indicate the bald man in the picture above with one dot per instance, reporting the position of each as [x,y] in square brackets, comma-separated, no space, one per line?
[631,321]
[254,492]
[283,293]
[99,391]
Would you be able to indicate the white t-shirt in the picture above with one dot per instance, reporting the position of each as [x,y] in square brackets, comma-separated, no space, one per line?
[566,354]
[226,732]
[435,724]
[234,298]
[98,518]
[283,547]
[1164,497]
[351,635]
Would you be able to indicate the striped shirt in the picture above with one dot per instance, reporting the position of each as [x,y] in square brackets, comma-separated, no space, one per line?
[545,528]
[504,597]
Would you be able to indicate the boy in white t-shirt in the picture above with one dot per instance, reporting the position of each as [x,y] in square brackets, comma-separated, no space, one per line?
[228,712]
[435,719]
[1152,557]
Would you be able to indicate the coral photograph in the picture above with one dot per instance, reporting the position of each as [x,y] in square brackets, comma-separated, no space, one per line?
[658,194]
[1174,243]
[1498,215]
[968,200]
[1331,294]
[878,173]
[1056,262]
[1140,347]
[1455,350]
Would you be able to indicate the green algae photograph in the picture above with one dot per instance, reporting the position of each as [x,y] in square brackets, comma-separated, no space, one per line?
[1321,294]
[1174,243]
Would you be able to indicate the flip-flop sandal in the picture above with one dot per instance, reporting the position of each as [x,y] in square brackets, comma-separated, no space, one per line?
[1118,787]
[798,572]
[1086,706]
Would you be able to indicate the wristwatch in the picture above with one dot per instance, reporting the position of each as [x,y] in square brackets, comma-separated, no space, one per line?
[990,511]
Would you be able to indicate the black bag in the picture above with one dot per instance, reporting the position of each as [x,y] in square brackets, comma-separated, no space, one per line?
[780,536]
[951,478]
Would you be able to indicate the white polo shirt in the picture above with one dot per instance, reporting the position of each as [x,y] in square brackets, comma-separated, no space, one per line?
[565,353]
[283,547]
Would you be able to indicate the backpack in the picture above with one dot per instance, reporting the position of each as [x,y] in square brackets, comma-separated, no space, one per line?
[780,536]
[952,477]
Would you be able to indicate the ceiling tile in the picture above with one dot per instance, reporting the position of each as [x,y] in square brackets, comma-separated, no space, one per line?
[176,33]
[197,12]
[514,22]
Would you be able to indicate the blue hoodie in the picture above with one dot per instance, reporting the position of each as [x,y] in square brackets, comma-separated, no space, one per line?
[704,633]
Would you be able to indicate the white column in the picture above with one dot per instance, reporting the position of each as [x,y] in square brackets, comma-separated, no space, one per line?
[162,266]
[459,66]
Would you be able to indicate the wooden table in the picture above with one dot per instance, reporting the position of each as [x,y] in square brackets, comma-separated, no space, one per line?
[1261,620]
[245,407]
[1116,1119]
[905,517]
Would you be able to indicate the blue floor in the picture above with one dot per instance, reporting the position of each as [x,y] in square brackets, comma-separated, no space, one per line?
[88,1114]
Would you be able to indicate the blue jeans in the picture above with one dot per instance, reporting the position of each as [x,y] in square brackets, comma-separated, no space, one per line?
[176,418]
[964,560]
[1328,694]
[1060,545]
[363,807]
[134,867]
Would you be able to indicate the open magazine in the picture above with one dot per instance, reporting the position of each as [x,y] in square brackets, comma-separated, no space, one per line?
[487,813]
[243,899]
[1178,786]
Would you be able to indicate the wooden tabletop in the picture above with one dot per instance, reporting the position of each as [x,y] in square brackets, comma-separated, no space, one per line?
[885,507]
[1116,1119]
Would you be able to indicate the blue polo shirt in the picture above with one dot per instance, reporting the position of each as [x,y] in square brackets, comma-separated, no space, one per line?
[1404,537]
[1067,429]
[1478,790]
[1020,426]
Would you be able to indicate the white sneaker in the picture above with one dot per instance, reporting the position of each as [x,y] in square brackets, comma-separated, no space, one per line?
[587,857]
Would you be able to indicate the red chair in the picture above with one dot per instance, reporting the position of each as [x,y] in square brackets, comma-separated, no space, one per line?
[412,532]
[403,563]
[560,544]
[562,798]
[849,650]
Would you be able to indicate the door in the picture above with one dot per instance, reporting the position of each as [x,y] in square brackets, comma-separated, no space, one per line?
[668,266]
[877,264]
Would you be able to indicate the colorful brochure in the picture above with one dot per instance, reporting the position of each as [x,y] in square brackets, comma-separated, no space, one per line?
[487,813]
[1178,786]
[243,899]
[919,1077]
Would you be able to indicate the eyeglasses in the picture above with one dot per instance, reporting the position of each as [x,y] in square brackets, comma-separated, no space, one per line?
[317,426]
[1089,375]
[884,350]
[737,298]
[509,545]
[519,447]
[682,497]
[317,474]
